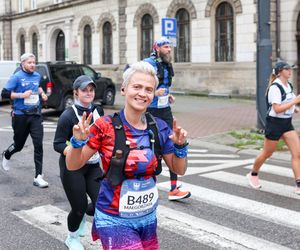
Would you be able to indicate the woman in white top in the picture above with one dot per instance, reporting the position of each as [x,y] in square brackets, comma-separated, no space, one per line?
[282,103]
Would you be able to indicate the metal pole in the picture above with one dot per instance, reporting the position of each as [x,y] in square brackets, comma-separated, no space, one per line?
[264,60]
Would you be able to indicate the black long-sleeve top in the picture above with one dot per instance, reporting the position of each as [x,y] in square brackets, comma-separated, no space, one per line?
[64,130]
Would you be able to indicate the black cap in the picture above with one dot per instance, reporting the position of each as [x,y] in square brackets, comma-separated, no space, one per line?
[82,82]
[279,66]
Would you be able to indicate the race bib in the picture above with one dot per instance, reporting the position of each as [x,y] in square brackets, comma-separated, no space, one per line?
[138,198]
[163,101]
[32,100]
[291,110]
[94,159]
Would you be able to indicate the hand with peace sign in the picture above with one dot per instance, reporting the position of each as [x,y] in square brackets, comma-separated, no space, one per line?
[81,130]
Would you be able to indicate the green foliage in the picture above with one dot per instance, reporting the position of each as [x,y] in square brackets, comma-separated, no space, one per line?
[244,139]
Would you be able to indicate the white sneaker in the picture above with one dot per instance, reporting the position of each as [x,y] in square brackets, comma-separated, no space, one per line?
[40,182]
[5,163]
[73,243]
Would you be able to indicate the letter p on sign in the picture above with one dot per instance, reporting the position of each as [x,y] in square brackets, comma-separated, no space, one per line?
[169,27]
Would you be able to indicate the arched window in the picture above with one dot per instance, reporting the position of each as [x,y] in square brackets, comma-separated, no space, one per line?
[34,43]
[146,36]
[107,43]
[87,44]
[60,47]
[224,33]
[22,45]
[182,51]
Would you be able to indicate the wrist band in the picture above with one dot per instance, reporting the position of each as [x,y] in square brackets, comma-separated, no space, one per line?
[19,95]
[181,152]
[181,146]
[78,143]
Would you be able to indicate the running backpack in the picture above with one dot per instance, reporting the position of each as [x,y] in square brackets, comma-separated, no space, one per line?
[115,173]
[283,94]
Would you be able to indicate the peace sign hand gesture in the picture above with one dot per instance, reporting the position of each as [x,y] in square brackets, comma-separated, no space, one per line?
[81,130]
[179,135]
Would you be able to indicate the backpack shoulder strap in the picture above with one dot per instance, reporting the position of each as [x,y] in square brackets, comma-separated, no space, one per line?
[291,85]
[154,140]
[115,173]
[120,137]
[283,94]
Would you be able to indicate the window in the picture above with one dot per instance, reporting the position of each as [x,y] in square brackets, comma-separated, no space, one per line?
[224,33]
[89,72]
[21,5]
[107,44]
[34,43]
[22,45]
[182,51]
[146,36]
[33,4]
[60,47]
[87,44]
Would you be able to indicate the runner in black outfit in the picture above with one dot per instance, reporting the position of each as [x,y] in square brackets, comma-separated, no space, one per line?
[83,181]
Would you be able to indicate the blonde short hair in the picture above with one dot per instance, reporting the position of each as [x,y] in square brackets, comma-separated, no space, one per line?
[142,67]
[26,56]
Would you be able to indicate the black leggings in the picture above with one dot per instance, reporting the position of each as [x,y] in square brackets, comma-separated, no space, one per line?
[166,115]
[77,184]
[24,125]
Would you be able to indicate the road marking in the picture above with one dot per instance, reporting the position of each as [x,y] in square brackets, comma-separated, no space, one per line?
[192,155]
[278,215]
[272,169]
[49,127]
[198,170]
[224,164]
[208,233]
[193,150]
[53,221]
[267,186]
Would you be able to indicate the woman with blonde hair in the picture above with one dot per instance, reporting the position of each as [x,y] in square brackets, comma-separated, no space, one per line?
[282,101]
[125,216]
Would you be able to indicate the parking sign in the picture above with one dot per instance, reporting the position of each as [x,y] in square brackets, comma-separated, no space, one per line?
[169,27]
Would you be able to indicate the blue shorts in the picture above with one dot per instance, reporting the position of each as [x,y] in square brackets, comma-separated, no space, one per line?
[124,233]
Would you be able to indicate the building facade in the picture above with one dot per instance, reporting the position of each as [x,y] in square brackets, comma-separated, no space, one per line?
[215,47]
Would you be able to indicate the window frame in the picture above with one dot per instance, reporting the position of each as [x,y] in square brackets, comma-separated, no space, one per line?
[224,33]
[182,52]
[147,29]
[34,43]
[107,43]
[87,44]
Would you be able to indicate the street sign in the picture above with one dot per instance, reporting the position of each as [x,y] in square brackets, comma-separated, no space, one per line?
[169,27]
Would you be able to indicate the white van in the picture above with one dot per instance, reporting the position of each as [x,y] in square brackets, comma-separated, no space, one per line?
[7,68]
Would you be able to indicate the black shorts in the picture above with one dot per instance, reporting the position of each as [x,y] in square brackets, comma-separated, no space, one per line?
[276,127]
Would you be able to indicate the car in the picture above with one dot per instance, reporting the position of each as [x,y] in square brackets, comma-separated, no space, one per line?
[6,70]
[57,82]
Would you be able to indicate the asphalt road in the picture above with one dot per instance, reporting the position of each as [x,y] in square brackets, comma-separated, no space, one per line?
[223,212]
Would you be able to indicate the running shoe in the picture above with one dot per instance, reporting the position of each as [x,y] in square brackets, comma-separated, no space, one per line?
[40,182]
[82,227]
[73,243]
[253,181]
[5,162]
[176,194]
[297,190]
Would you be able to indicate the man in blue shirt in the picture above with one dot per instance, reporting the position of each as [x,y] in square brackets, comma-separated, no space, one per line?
[161,59]
[23,88]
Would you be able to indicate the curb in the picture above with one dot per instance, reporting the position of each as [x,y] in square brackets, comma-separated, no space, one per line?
[285,156]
